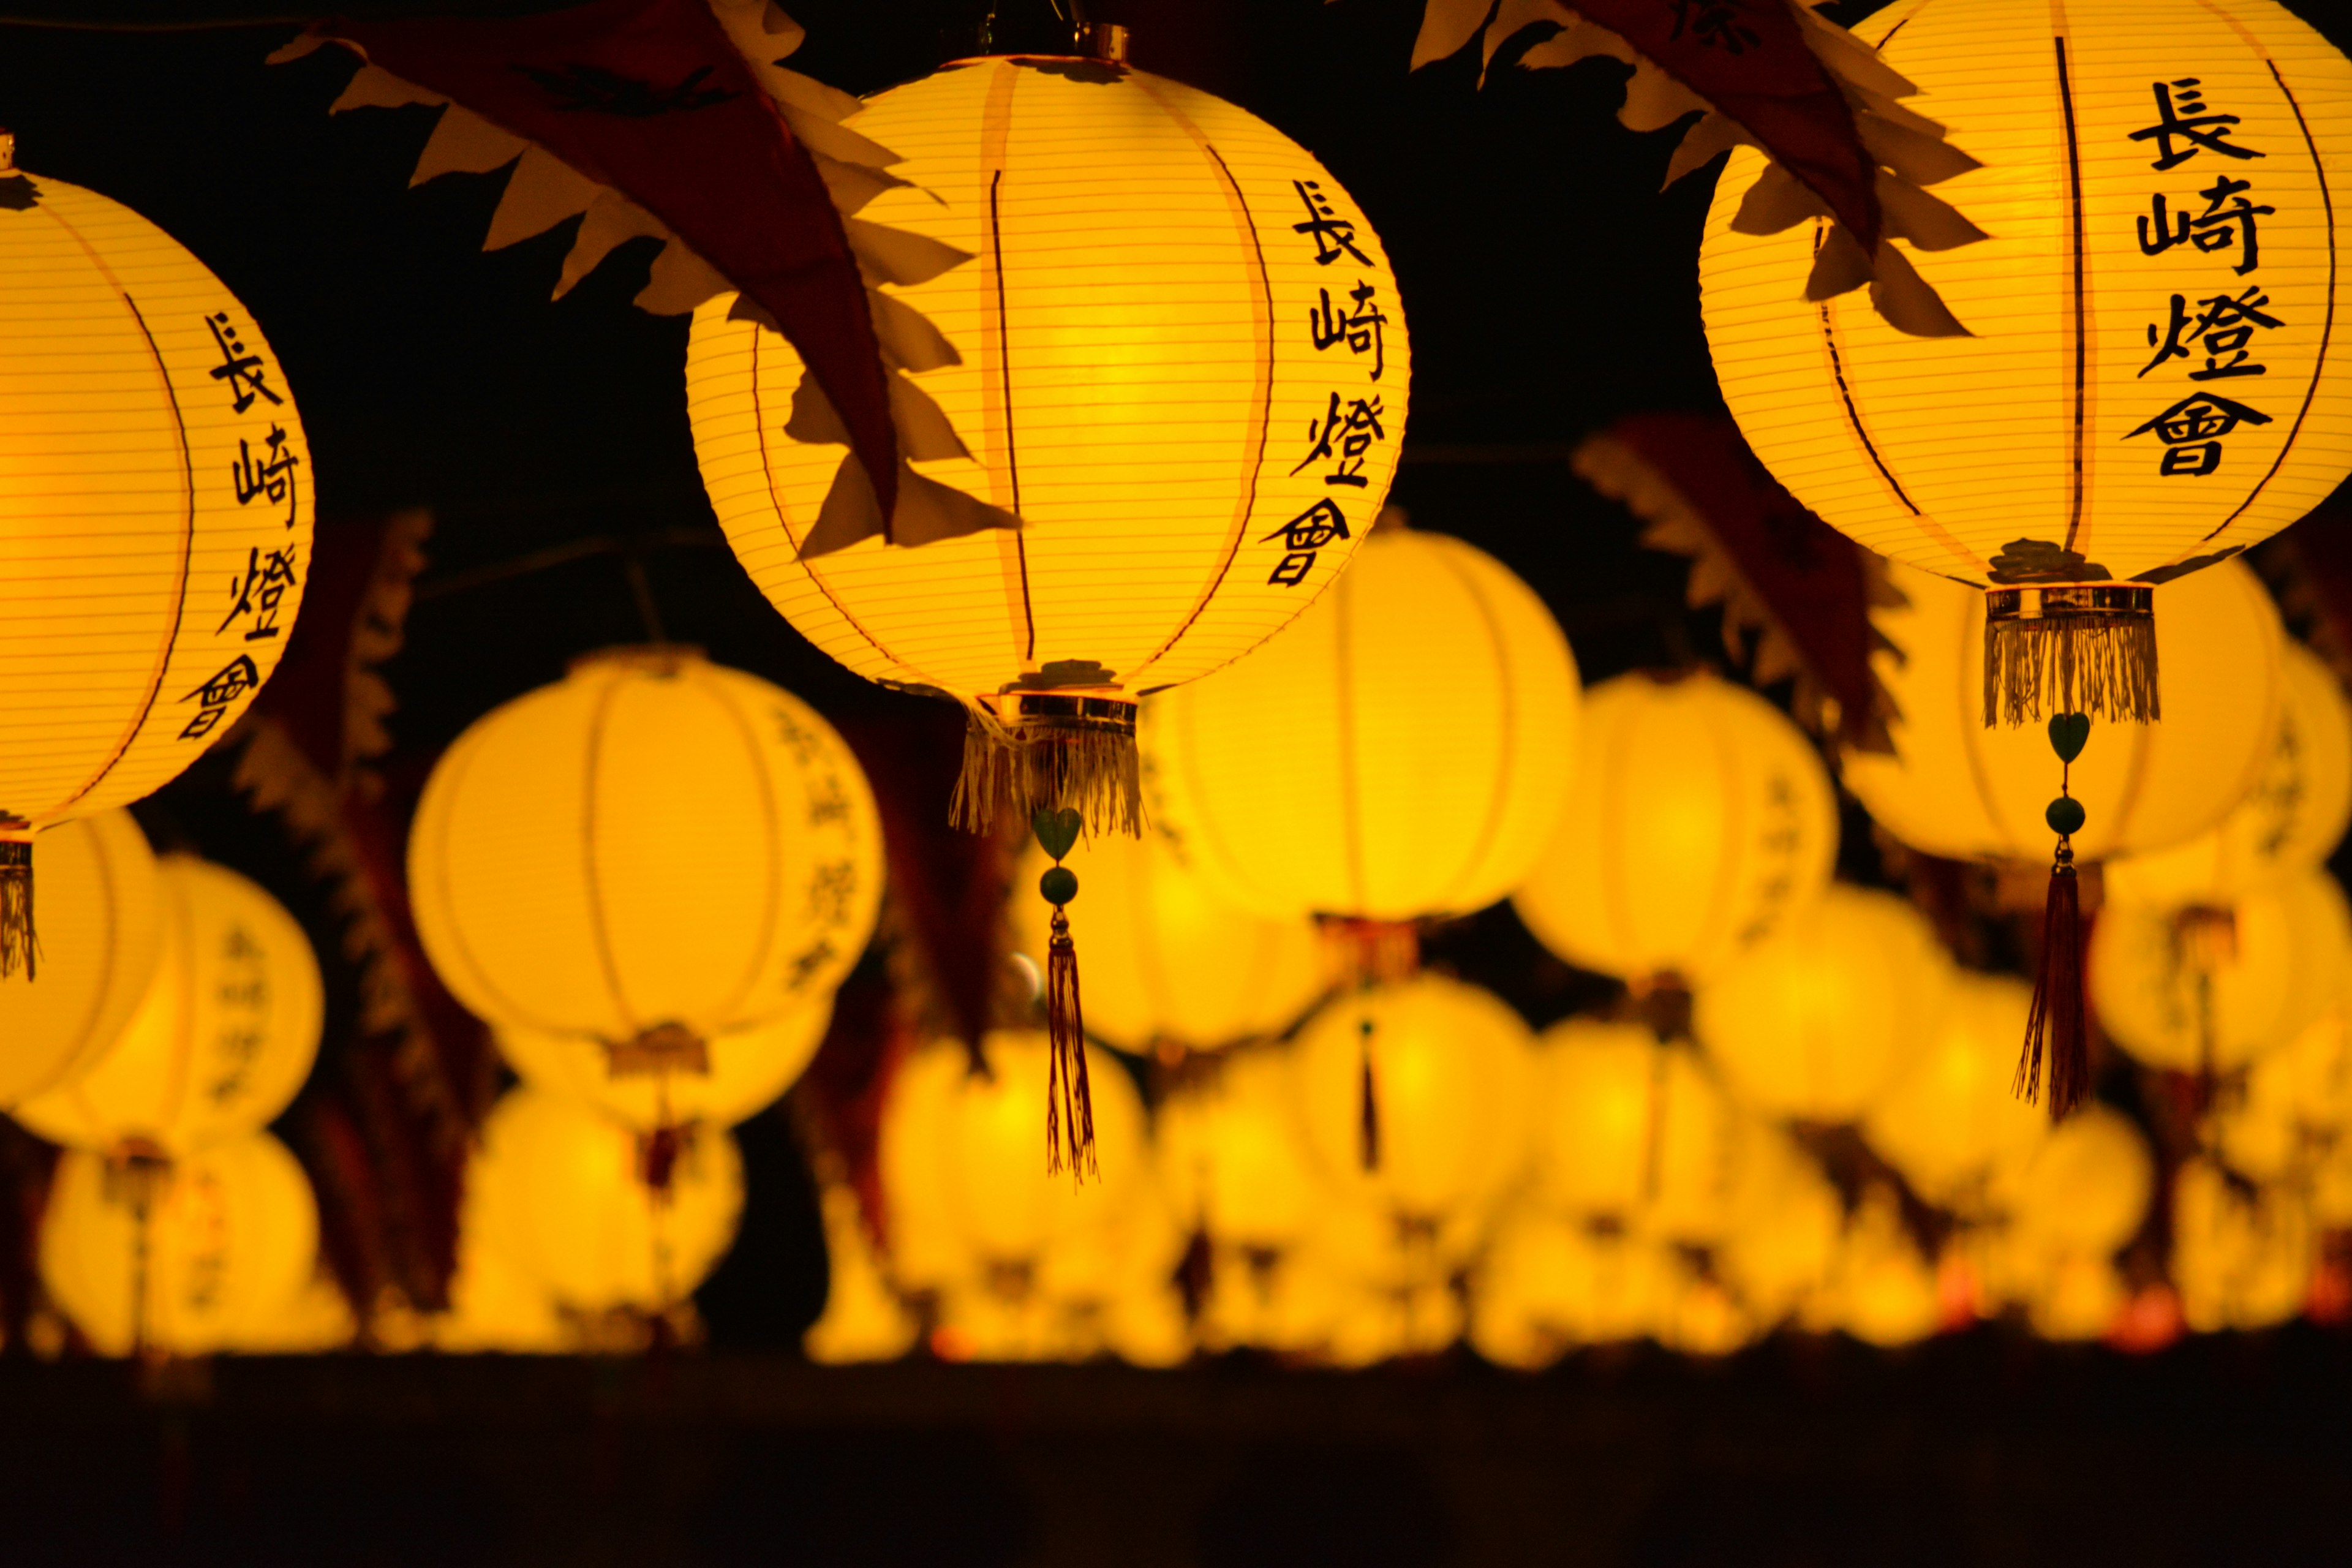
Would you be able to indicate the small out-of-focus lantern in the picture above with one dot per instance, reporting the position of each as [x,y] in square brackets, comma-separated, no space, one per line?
[1951,1117]
[103,926]
[744,1070]
[2241,1259]
[2082,1191]
[652,851]
[155,532]
[1700,817]
[224,1039]
[1233,1156]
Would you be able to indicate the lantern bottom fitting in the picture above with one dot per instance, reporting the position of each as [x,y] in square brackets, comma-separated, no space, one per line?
[2072,647]
[1026,752]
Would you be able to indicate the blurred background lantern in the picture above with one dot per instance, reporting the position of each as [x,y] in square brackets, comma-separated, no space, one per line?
[1881,1288]
[2207,990]
[1169,962]
[224,1039]
[1635,1131]
[1955,788]
[1232,1152]
[102,930]
[1548,1284]
[1951,1116]
[863,1319]
[154,445]
[1699,817]
[2083,1191]
[1816,1021]
[1401,751]
[649,852]
[1781,1247]
[1190,470]
[2142,446]
[200,1256]
[2290,820]
[2242,1257]
[601,1215]
[746,1070]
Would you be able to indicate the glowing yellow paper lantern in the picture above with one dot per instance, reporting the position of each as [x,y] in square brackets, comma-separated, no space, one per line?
[1955,787]
[1952,1116]
[745,1071]
[565,1196]
[1782,1247]
[100,934]
[231,1238]
[1176,351]
[1454,1078]
[864,1318]
[156,533]
[922,1244]
[2152,378]
[2084,1189]
[2195,989]
[1403,751]
[224,1038]
[1638,1131]
[1166,958]
[1232,1153]
[2289,821]
[1549,1283]
[2242,1261]
[2308,1081]
[1882,1290]
[494,1305]
[652,851]
[1817,1020]
[1699,816]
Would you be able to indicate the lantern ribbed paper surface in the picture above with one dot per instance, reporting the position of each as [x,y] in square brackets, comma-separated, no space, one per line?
[2155,376]
[101,930]
[155,513]
[224,1038]
[1955,788]
[1699,817]
[231,1236]
[1403,751]
[1177,354]
[650,851]
[1166,958]
[2290,821]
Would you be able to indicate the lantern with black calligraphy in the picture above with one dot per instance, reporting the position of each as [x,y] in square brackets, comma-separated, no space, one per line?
[155,529]
[2146,372]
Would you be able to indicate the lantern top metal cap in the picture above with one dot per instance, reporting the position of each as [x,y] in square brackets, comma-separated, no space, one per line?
[1103,41]
[7,152]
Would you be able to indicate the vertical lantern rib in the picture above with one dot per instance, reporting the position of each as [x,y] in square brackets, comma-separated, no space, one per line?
[2327,320]
[594,889]
[1012,440]
[817,568]
[2079,328]
[187,530]
[1506,743]
[771,822]
[1254,458]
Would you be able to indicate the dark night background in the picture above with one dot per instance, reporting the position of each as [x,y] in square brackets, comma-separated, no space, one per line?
[1552,287]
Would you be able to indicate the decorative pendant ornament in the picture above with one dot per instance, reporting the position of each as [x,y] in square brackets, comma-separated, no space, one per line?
[2056,1026]
[2152,378]
[1069,1100]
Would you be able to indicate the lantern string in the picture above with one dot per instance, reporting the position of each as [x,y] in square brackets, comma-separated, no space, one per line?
[1368,1110]
[2056,1027]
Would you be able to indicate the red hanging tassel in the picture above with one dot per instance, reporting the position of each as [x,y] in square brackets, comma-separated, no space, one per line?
[2056,1029]
[1368,1110]
[1069,1103]
[17,946]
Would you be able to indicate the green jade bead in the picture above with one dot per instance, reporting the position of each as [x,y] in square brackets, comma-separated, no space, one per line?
[2065,816]
[1059,886]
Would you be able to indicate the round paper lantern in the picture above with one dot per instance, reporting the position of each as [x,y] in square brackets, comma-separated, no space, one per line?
[2084,1189]
[231,1237]
[101,931]
[1232,1153]
[566,1195]
[494,1305]
[652,851]
[1166,958]
[920,1239]
[155,537]
[2290,821]
[1882,1290]
[863,1319]
[1637,1131]
[1778,1252]
[2241,1259]
[2193,990]
[2149,379]
[745,1071]
[1453,1076]
[1191,467]
[1699,816]
[1816,1021]
[1549,1283]
[2308,1081]
[1403,751]
[1951,1116]
[1005,1205]
[1957,788]
[222,1041]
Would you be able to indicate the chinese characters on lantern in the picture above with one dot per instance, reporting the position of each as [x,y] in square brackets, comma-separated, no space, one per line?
[1347,319]
[2218,335]
[243,994]
[263,473]
[832,887]
[1778,846]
